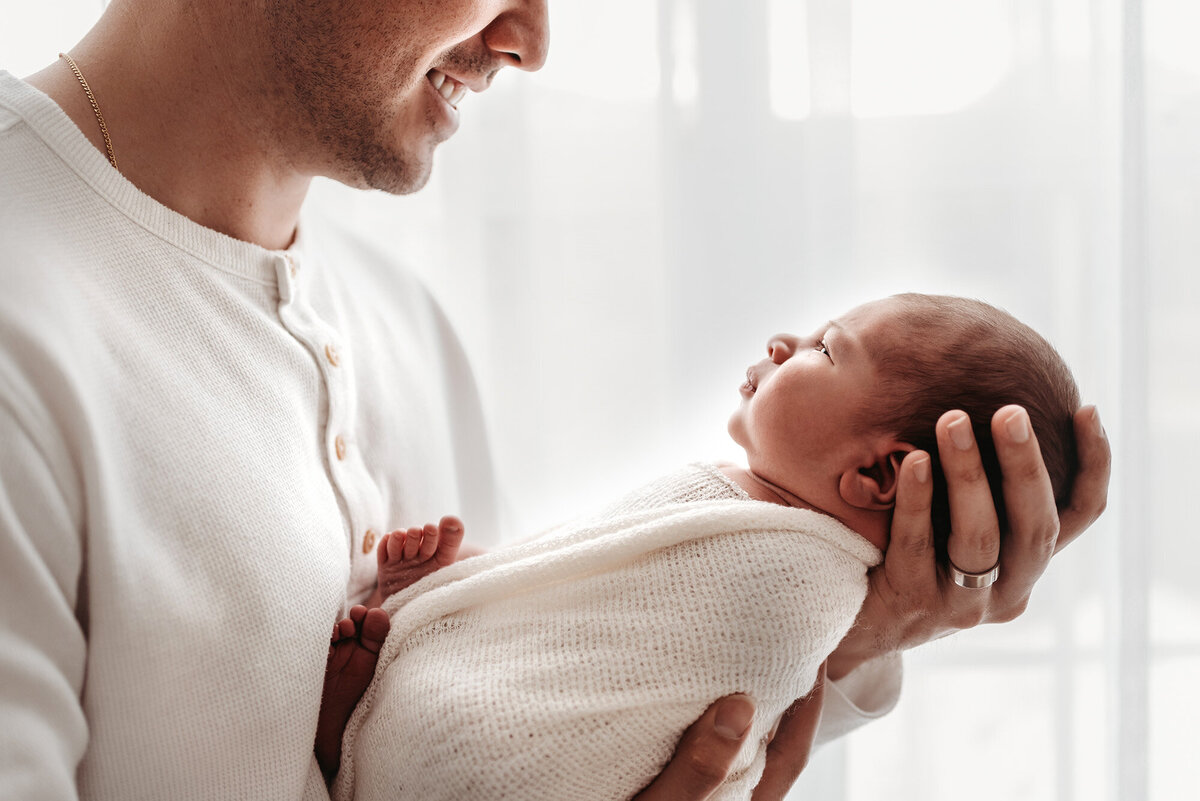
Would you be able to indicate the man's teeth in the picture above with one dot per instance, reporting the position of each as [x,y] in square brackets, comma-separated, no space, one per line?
[455,96]
[451,90]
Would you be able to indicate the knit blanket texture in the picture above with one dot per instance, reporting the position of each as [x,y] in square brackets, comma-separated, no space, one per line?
[567,667]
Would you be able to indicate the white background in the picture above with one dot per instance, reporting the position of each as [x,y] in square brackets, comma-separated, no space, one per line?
[617,236]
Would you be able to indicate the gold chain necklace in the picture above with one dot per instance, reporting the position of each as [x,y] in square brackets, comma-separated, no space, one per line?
[112,159]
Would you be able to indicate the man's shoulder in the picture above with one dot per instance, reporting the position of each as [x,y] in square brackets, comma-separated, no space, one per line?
[34,243]
[9,119]
[12,94]
[33,188]
[43,254]
[23,154]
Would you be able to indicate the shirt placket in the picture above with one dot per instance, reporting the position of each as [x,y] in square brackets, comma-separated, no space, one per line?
[361,502]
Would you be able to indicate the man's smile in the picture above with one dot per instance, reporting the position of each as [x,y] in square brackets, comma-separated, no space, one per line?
[451,90]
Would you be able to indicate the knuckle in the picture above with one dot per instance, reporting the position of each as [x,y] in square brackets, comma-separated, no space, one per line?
[915,504]
[1046,545]
[1045,542]
[1053,525]
[705,768]
[1008,614]
[983,549]
[1012,612]
[796,767]
[916,547]
[1030,470]
[969,618]
[912,624]
[969,473]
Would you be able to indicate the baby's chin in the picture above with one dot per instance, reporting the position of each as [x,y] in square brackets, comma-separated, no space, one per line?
[734,428]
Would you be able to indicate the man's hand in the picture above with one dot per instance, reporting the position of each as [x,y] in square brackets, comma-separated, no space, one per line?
[911,599]
[704,754]
[708,748]
[788,753]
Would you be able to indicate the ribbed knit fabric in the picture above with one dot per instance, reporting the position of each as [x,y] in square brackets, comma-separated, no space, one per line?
[199,440]
[567,667]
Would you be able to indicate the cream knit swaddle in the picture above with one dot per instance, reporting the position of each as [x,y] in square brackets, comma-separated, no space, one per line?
[567,667]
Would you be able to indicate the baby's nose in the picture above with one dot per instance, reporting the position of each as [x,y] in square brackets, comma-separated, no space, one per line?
[781,347]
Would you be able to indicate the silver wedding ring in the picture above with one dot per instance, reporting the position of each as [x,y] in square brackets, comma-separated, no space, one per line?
[975,581]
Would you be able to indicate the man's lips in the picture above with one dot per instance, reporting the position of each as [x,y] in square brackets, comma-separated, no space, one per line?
[452,91]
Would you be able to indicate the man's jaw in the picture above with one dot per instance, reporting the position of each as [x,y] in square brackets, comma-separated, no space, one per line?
[451,90]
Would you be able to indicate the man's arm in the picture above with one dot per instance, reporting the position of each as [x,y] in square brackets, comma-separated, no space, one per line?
[911,599]
[43,732]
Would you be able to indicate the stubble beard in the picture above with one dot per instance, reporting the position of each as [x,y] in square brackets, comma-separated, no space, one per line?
[339,99]
[348,127]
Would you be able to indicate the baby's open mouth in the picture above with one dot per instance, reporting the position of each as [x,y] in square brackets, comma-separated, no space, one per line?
[451,90]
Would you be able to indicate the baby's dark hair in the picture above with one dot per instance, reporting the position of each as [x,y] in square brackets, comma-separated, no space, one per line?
[958,353]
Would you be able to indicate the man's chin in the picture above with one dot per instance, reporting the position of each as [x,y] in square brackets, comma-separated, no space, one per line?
[392,175]
[399,184]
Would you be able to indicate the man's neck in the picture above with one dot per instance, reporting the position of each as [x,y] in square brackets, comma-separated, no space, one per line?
[184,124]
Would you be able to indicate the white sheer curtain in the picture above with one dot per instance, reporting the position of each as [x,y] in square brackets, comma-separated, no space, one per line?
[617,236]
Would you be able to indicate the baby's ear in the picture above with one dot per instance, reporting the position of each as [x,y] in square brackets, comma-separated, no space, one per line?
[872,483]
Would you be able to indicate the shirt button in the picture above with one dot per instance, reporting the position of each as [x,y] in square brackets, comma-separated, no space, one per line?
[339,445]
[368,540]
[331,354]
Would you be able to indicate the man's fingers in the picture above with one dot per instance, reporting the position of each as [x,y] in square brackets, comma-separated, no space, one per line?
[909,600]
[910,565]
[704,753]
[1089,495]
[788,753]
[974,544]
[1029,501]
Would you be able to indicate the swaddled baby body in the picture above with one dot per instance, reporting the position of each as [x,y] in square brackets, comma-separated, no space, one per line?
[567,667]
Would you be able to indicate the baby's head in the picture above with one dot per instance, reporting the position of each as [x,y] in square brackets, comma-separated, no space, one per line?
[829,418]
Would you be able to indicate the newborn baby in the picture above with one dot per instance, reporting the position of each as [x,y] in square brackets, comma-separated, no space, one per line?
[568,666]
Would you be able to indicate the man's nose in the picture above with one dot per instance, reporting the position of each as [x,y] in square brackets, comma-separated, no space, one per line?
[521,35]
[781,347]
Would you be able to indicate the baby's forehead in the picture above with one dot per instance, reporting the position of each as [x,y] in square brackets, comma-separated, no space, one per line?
[886,329]
[881,318]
